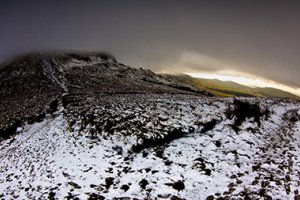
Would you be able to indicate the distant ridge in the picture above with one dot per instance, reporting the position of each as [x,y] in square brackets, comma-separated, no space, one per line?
[231,89]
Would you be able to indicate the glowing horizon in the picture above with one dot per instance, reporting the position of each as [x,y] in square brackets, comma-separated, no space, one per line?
[246,79]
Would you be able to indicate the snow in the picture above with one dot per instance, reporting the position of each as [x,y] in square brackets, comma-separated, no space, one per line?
[50,156]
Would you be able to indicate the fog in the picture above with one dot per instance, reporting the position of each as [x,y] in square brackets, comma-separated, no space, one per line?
[254,37]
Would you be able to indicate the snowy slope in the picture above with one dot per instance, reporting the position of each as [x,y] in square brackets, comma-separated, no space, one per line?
[155,147]
[31,83]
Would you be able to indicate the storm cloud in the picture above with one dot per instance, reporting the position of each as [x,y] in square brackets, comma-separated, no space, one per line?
[255,37]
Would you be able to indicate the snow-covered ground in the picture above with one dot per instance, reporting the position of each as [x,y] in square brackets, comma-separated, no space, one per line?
[76,154]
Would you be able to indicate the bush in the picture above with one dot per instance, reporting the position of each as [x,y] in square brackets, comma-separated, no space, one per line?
[242,110]
[9,130]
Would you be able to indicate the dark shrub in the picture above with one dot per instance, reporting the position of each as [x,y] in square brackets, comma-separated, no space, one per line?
[242,110]
[6,132]
[291,116]
[179,185]
[209,125]
[157,141]
[53,106]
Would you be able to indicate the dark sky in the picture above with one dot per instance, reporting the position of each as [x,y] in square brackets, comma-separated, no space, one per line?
[257,37]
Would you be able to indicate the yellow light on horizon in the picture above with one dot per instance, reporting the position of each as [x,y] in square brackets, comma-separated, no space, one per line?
[245,79]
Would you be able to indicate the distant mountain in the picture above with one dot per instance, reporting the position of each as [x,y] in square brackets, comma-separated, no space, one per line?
[231,89]
[273,92]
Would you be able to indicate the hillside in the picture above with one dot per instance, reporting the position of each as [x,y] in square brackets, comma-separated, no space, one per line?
[84,126]
[32,84]
[231,89]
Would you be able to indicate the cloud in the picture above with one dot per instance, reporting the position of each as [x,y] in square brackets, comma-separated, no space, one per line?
[257,37]
[190,62]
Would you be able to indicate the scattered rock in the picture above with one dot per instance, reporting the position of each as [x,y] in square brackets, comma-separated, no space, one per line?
[74,185]
[125,187]
[179,185]
[211,197]
[143,184]
[94,196]
[108,182]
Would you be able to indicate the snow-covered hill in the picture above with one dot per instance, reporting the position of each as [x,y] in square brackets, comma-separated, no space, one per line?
[163,142]
[32,83]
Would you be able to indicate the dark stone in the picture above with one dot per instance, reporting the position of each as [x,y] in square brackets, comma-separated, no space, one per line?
[125,187]
[51,195]
[94,196]
[74,185]
[176,198]
[168,163]
[108,182]
[143,183]
[218,143]
[179,185]
[211,197]
[207,172]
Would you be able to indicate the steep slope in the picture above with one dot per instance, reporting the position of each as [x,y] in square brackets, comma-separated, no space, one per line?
[32,85]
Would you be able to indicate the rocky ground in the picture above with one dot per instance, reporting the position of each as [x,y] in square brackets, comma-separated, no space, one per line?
[31,84]
[156,146]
